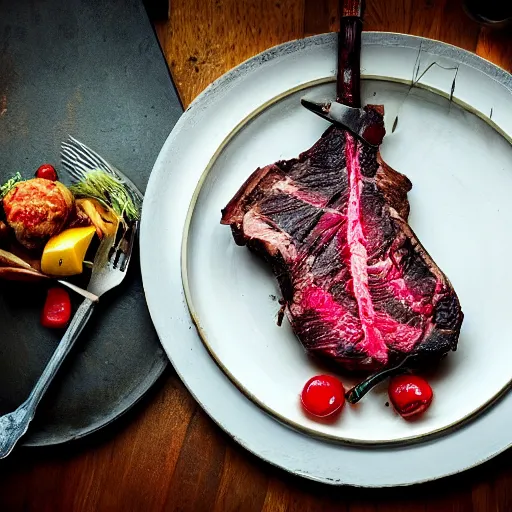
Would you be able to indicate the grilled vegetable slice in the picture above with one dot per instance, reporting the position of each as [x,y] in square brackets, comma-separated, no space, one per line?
[64,254]
[8,259]
[104,218]
[20,274]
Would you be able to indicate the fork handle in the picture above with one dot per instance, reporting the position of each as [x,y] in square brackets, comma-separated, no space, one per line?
[14,425]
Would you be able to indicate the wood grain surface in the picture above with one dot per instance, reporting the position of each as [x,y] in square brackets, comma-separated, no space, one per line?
[166,454]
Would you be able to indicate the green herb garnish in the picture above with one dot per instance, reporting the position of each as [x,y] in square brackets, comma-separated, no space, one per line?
[9,185]
[109,191]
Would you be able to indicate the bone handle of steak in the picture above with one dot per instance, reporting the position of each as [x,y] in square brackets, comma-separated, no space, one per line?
[348,82]
[355,394]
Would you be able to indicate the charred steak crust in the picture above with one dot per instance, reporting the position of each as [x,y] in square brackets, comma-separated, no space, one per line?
[358,285]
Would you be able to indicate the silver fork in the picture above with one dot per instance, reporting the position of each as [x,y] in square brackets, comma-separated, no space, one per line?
[109,269]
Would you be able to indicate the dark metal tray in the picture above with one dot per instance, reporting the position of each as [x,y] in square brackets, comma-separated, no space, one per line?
[92,70]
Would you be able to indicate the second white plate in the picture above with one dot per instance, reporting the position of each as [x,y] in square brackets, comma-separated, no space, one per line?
[193,143]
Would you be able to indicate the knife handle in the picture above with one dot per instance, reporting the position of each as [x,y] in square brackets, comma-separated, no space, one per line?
[14,425]
[348,83]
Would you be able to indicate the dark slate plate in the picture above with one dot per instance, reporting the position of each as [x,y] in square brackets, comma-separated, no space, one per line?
[94,70]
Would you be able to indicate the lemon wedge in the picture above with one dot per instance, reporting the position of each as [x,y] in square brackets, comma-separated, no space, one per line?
[64,253]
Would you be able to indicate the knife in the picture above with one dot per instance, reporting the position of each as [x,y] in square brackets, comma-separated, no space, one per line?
[364,123]
[346,111]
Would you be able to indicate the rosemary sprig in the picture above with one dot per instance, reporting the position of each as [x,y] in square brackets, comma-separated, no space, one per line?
[9,185]
[109,191]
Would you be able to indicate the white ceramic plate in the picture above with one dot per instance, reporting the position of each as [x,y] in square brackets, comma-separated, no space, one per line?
[442,149]
[458,202]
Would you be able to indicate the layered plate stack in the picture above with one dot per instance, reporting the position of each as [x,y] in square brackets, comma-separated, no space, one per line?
[214,304]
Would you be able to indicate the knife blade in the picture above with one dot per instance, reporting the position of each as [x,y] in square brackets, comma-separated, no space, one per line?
[363,123]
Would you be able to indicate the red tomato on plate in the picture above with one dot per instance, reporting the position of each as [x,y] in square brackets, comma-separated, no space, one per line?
[47,172]
[410,395]
[323,395]
[57,309]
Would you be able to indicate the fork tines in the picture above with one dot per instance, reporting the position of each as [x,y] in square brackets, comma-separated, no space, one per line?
[78,159]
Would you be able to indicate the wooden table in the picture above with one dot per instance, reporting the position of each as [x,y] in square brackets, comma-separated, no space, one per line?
[166,454]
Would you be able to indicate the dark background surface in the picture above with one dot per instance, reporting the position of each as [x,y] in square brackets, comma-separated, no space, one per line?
[93,70]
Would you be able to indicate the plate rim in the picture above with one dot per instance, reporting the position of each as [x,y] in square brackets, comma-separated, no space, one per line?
[386,39]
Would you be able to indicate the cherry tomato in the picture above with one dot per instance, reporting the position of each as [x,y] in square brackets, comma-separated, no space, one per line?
[323,395]
[47,172]
[57,309]
[410,395]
